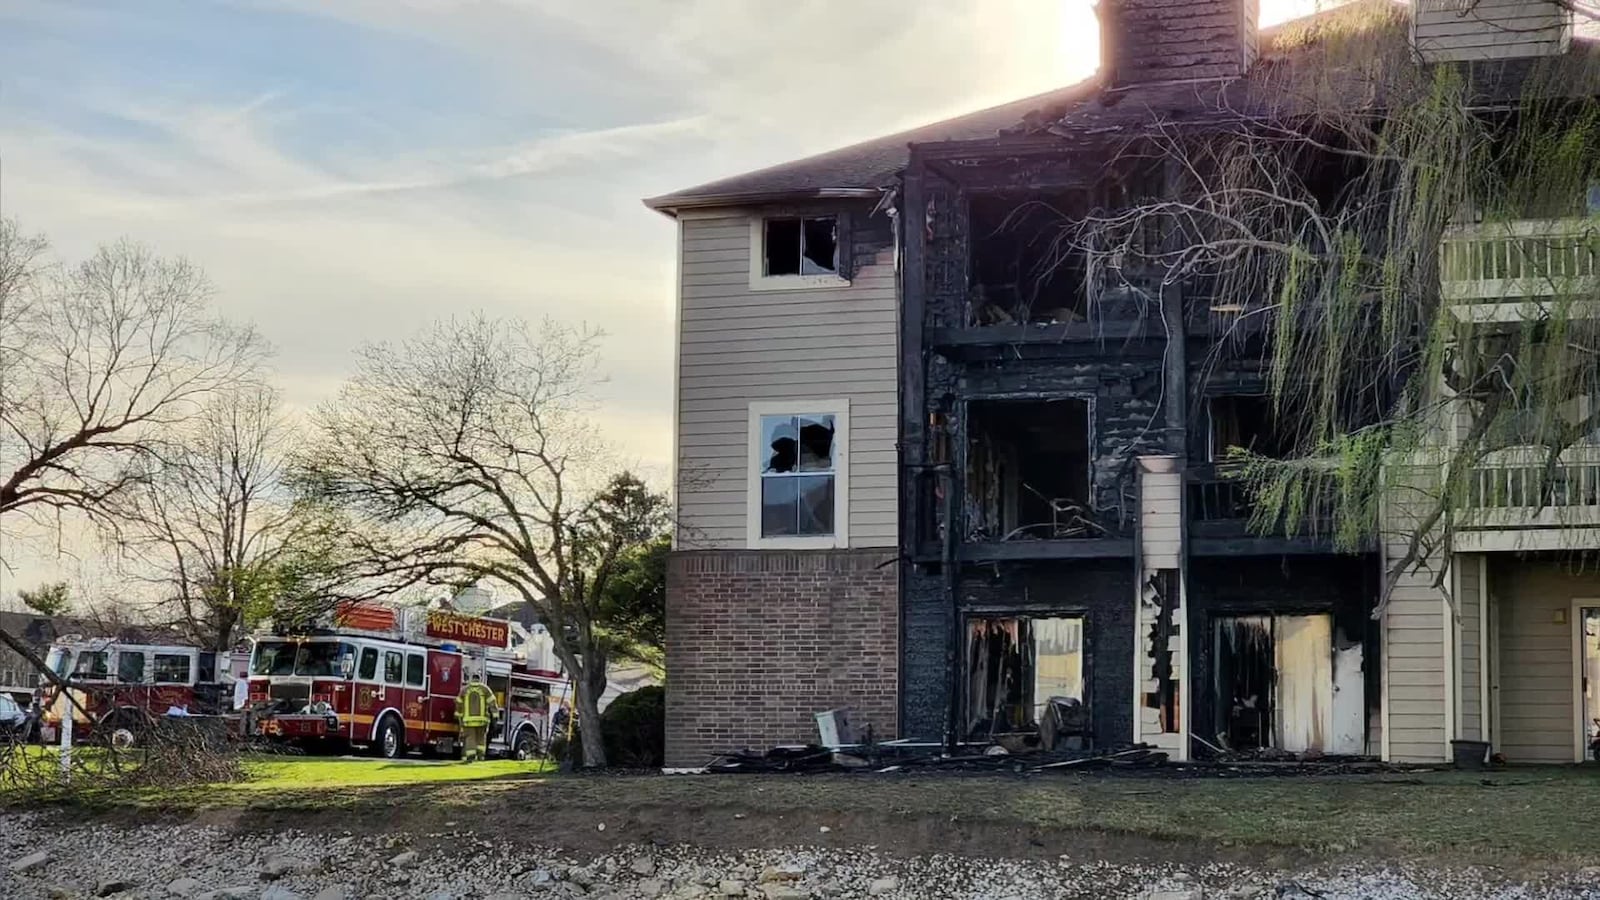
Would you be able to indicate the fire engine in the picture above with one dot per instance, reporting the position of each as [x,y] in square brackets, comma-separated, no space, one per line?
[388,678]
[120,687]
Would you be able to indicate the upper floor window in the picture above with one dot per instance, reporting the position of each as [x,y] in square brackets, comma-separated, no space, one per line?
[796,252]
[798,473]
[802,246]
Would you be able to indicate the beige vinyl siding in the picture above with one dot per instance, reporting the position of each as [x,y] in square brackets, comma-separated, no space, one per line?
[1414,653]
[1489,29]
[738,346]
[1161,519]
[1537,690]
[1469,683]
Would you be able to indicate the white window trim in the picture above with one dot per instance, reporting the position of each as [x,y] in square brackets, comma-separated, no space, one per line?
[840,539]
[761,281]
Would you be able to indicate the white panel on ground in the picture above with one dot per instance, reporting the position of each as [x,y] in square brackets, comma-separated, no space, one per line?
[1304,707]
[1349,702]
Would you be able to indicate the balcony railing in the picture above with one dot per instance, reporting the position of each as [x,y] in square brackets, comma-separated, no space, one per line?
[1530,259]
[1220,512]
[1518,488]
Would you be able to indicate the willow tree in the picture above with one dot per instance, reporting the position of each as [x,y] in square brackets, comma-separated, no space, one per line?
[1318,206]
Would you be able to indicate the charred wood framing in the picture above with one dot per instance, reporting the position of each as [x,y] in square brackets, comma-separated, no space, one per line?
[997,317]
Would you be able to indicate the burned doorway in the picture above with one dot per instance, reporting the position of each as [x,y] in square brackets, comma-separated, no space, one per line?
[1284,683]
[1028,469]
[1027,676]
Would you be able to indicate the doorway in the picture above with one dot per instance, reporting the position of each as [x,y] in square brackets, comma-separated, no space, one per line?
[1589,679]
[1286,683]
[1021,673]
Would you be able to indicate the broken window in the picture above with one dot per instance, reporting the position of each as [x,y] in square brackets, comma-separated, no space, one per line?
[1023,675]
[1028,470]
[1284,683]
[1025,265]
[801,246]
[796,459]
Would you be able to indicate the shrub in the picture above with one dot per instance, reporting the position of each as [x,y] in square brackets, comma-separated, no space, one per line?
[634,728]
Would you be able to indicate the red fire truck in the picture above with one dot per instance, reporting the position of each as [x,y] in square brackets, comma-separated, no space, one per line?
[387,678]
[121,687]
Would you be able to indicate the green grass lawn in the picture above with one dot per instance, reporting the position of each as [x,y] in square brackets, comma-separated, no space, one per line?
[321,774]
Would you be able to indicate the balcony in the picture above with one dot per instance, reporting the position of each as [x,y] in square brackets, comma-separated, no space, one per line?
[1517,488]
[1509,271]
[1516,501]
[1219,512]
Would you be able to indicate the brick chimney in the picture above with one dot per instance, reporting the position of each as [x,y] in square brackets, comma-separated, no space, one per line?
[1165,41]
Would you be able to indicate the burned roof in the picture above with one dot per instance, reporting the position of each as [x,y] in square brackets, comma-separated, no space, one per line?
[1345,56]
[1355,58]
[859,170]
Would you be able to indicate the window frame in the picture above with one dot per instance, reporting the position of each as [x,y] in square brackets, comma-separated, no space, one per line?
[840,410]
[421,669]
[400,672]
[108,673]
[143,657]
[835,280]
[362,672]
[156,674]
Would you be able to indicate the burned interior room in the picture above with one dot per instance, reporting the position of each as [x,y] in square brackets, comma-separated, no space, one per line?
[1249,422]
[1285,660]
[1028,470]
[1024,268]
[1026,676]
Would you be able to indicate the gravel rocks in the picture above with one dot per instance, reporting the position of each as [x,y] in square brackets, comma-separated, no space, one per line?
[30,862]
[207,863]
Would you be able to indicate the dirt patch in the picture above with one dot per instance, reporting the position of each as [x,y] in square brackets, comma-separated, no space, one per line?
[1535,821]
[510,816]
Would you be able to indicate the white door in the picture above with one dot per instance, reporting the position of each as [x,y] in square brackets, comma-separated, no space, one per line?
[1303,708]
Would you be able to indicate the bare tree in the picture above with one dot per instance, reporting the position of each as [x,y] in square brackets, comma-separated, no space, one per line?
[213,528]
[464,455]
[100,362]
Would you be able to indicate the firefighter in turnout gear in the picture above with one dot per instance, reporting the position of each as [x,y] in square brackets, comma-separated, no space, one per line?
[475,709]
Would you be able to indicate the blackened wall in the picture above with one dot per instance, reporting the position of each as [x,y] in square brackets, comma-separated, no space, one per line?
[1123,389]
[1343,586]
[1100,591]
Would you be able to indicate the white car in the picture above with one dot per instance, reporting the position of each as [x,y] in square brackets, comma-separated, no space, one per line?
[12,716]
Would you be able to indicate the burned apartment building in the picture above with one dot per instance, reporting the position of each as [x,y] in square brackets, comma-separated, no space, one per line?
[953,440]
[1076,556]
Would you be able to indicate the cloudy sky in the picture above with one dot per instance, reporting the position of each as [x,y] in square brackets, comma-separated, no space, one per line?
[347,170]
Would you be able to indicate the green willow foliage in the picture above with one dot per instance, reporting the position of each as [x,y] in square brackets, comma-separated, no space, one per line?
[1315,214]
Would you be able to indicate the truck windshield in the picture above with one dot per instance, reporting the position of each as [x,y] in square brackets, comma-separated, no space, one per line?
[315,658]
[273,658]
[58,661]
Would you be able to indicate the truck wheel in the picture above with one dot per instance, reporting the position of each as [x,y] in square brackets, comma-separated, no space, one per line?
[390,741]
[124,728]
[527,746]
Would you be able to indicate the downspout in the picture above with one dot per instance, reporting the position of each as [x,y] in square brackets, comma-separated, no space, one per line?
[952,707]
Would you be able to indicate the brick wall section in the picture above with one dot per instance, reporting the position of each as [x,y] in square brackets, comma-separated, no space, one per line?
[1178,40]
[758,642]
